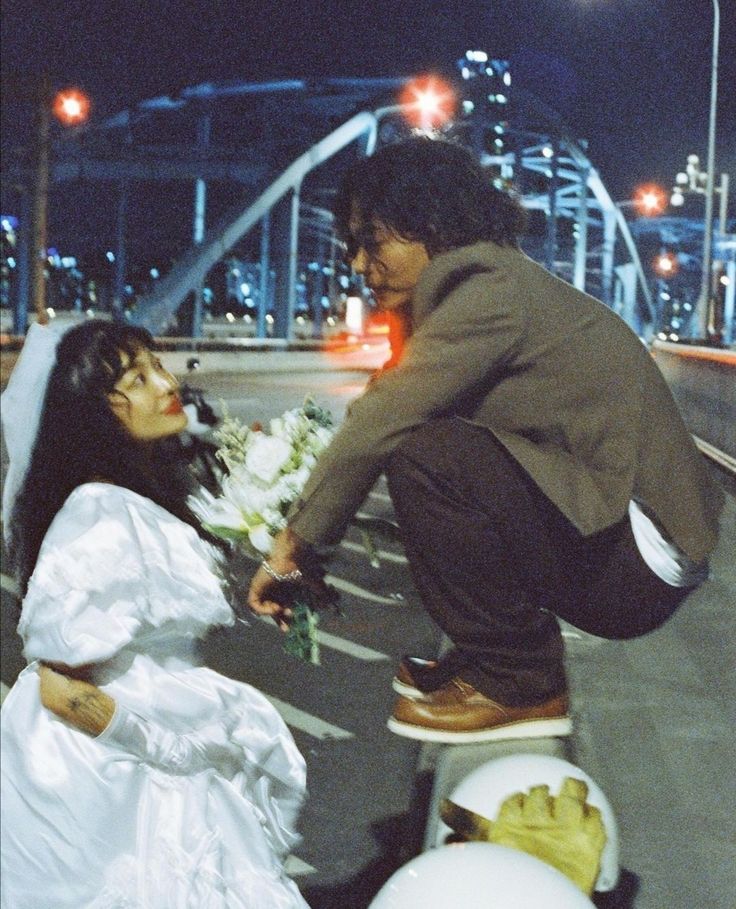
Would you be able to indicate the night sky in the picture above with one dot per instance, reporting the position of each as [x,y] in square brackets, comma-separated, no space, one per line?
[630,76]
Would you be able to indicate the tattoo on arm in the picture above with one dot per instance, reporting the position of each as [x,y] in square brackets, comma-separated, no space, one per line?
[90,709]
[77,702]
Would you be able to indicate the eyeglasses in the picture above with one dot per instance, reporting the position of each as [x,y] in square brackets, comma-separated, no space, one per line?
[364,238]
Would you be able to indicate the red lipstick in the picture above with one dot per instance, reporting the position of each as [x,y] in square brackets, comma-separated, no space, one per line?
[175,407]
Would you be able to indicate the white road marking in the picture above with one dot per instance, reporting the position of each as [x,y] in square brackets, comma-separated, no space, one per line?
[360,592]
[295,867]
[381,496]
[381,553]
[306,722]
[350,647]
[343,645]
[9,586]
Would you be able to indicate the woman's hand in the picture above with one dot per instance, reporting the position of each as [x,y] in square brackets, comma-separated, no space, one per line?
[89,709]
[186,753]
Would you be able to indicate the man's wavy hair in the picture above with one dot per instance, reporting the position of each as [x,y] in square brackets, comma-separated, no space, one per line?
[430,190]
[80,440]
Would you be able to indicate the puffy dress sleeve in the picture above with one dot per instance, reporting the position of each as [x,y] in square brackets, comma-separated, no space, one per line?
[115,567]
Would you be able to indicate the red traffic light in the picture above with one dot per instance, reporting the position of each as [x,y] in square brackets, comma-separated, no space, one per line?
[71,106]
[428,102]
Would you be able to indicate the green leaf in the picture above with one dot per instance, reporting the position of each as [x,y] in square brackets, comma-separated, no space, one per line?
[227,533]
[301,638]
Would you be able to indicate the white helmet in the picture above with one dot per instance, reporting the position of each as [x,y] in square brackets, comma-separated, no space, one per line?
[478,876]
[485,788]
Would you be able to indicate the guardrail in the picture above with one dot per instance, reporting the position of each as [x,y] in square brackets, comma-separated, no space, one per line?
[703,382]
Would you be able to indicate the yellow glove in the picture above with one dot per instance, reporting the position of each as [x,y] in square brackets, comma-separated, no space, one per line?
[562,830]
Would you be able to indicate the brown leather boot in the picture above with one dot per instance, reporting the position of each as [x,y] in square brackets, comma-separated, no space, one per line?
[457,713]
[404,682]
[416,676]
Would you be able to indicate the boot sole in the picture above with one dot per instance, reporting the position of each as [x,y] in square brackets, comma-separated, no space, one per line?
[407,691]
[552,727]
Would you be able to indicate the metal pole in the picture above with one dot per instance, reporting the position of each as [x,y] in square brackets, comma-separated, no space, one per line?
[714,303]
[22,289]
[607,256]
[293,261]
[581,241]
[706,282]
[265,288]
[723,213]
[40,200]
[550,245]
[118,296]
[317,289]
[198,227]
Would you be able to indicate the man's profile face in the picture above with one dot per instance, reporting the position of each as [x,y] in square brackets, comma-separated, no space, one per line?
[390,264]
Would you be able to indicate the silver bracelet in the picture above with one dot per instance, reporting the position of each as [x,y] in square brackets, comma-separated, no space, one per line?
[290,576]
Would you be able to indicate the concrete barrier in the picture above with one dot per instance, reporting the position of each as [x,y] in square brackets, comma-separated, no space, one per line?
[703,382]
[361,355]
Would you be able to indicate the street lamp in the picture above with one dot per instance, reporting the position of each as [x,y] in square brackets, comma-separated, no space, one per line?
[704,300]
[71,107]
[650,200]
[427,102]
[666,265]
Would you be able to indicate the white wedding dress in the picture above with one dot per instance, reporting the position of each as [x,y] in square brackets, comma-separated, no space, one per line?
[122,584]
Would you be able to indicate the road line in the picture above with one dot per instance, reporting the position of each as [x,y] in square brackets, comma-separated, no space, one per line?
[295,867]
[308,723]
[381,496]
[381,553]
[351,648]
[343,645]
[361,592]
[9,585]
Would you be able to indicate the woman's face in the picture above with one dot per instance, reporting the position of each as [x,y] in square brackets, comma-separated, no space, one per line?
[145,398]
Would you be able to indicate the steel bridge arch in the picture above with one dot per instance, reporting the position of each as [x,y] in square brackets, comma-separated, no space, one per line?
[572,190]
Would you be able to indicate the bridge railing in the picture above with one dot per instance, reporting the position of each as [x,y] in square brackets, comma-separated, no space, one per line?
[703,382]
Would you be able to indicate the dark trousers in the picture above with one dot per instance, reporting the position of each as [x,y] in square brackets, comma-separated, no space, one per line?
[495,561]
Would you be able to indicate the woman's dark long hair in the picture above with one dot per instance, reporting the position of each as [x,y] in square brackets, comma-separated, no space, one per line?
[430,190]
[80,439]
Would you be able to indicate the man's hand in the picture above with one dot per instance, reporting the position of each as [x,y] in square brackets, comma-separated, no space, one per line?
[267,596]
[262,598]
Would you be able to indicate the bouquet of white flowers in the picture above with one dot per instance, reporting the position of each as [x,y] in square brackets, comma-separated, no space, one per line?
[264,473]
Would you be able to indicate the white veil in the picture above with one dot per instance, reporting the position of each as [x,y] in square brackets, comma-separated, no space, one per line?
[21,405]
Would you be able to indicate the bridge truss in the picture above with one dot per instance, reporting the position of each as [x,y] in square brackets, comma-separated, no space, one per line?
[269,143]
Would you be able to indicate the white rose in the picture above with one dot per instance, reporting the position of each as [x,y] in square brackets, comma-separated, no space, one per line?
[261,539]
[277,427]
[299,477]
[243,493]
[267,456]
[319,438]
[324,434]
[274,520]
[223,514]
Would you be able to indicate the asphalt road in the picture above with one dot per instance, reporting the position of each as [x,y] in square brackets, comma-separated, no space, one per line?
[653,717]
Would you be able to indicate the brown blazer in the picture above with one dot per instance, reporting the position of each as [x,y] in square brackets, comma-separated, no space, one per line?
[560,380]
